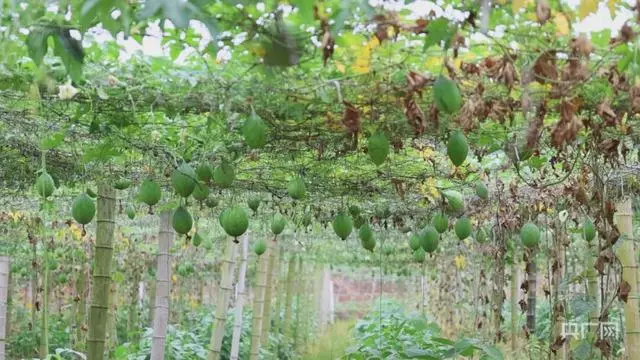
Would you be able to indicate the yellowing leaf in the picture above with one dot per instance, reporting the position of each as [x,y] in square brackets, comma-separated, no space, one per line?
[433,63]
[459,261]
[340,67]
[516,5]
[611,4]
[363,56]
[587,7]
[562,24]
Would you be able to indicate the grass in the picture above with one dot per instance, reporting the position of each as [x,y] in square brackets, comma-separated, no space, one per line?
[332,344]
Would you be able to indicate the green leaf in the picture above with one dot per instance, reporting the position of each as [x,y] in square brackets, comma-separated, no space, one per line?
[102,152]
[305,9]
[92,9]
[71,52]
[437,31]
[52,141]
[490,352]
[37,44]
[118,277]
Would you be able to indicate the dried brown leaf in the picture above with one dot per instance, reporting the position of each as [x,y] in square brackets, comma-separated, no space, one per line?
[543,11]
[606,113]
[623,290]
[545,67]
[581,46]
[557,344]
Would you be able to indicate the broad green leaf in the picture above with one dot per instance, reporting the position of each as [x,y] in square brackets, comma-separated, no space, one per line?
[102,152]
[71,52]
[37,44]
[438,30]
[305,9]
[52,141]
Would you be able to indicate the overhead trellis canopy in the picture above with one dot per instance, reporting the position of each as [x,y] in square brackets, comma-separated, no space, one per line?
[349,75]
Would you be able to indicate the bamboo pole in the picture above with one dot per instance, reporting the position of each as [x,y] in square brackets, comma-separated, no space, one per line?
[514,306]
[532,277]
[258,302]
[80,305]
[277,324]
[291,269]
[237,326]
[627,255]
[266,306]
[299,291]
[44,320]
[163,287]
[4,295]
[222,301]
[557,273]
[101,272]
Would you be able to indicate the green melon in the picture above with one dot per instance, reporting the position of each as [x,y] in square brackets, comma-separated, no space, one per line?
[254,204]
[354,210]
[122,184]
[418,255]
[184,180]
[83,209]
[149,193]
[481,236]
[254,132]
[378,148]
[204,172]
[440,222]
[211,202]
[414,242]
[131,212]
[457,148]
[259,247]
[277,225]
[429,239]
[207,244]
[224,175]
[455,202]
[200,192]
[588,230]
[196,240]
[182,220]
[342,225]
[45,185]
[367,239]
[446,95]
[482,191]
[221,216]
[235,222]
[530,235]
[358,221]
[296,188]
[463,228]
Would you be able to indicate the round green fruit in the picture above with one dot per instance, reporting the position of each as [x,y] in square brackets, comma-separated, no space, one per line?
[259,247]
[463,228]
[365,232]
[296,188]
[418,255]
[200,192]
[224,175]
[254,132]
[342,225]
[455,202]
[131,212]
[378,148]
[354,210]
[122,184]
[211,202]
[369,244]
[149,193]
[83,209]
[184,180]
[457,148]
[440,222]
[182,220]
[588,230]
[196,240]
[235,221]
[45,185]
[254,204]
[204,172]
[429,240]
[446,95]
[414,242]
[277,225]
[530,235]
[482,191]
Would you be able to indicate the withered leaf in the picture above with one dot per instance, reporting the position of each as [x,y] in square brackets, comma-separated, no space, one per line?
[414,115]
[543,11]
[535,126]
[557,344]
[545,68]
[604,346]
[623,290]
[606,113]
[581,46]
[351,118]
